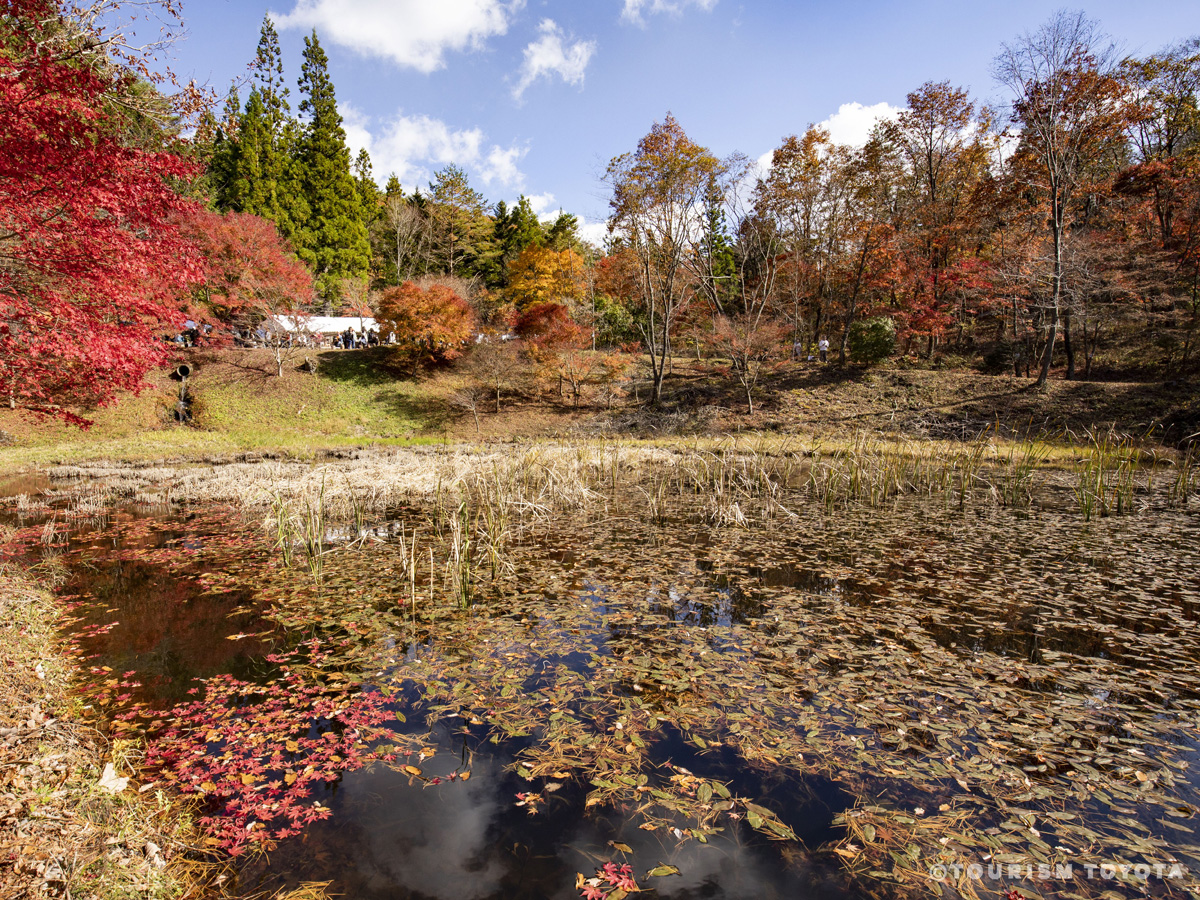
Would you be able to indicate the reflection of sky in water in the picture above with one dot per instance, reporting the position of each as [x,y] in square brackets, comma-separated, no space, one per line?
[469,841]
[435,842]
[723,868]
[390,839]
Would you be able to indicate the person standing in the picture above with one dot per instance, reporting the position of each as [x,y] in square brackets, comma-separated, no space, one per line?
[823,348]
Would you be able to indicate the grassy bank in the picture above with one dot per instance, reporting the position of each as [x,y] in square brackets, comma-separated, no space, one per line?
[73,821]
[236,405]
[239,406]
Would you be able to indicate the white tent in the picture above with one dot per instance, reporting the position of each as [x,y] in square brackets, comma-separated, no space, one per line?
[327,325]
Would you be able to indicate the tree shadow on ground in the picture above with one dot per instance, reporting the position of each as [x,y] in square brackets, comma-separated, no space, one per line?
[230,368]
[369,366]
[429,413]
[379,367]
[806,376]
[1155,411]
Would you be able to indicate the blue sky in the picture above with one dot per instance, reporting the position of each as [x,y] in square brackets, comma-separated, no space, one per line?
[536,96]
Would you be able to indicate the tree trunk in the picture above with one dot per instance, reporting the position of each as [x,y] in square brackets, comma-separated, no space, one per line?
[1055,299]
[1068,348]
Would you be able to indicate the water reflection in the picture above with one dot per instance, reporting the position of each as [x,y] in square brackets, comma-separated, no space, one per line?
[389,839]
[907,657]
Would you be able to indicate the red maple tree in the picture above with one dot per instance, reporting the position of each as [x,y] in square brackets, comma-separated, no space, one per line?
[91,259]
[249,272]
[548,326]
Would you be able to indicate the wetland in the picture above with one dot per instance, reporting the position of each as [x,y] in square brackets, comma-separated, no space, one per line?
[736,669]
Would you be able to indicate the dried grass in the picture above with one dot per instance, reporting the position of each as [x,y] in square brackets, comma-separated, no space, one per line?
[61,834]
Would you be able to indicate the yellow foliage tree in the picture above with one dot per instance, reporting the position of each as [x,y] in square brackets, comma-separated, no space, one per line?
[544,275]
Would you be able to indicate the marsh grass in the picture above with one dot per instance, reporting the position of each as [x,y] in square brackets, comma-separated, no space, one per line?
[460,563]
[1017,470]
[871,471]
[742,482]
[312,524]
[302,522]
[1187,477]
[1107,475]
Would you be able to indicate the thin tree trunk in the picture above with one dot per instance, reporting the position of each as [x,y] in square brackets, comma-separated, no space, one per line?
[1055,300]
[1068,348]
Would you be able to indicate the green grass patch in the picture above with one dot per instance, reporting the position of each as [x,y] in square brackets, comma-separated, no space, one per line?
[238,404]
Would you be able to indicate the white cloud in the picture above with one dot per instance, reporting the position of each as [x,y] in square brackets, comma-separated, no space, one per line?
[595,233]
[550,55]
[415,147]
[358,136]
[499,166]
[762,165]
[852,123]
[634,8]
[543,206]
[413,33]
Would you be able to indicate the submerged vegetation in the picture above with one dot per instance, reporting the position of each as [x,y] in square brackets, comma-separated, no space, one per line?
[897,658]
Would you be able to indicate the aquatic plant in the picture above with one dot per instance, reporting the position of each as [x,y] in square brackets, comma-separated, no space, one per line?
[260,753]
[284,528]
[1187,476]
[1017,471]
[460,564]
[1107,476]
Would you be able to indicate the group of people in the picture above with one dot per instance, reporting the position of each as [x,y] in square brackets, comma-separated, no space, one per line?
[357,340]
[822,349]
[191,335]
[261,337]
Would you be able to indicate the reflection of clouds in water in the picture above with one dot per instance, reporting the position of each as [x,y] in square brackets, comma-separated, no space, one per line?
[723,863]
[431,841]
[722,868]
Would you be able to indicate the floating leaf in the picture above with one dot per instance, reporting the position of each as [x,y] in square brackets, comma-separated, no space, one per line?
[662,870]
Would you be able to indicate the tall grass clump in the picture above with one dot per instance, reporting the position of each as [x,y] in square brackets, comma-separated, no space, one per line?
[1187,477]
[1107,477]
[303,527]
[863,471]
[284,530]
[1017,470]
[460,563]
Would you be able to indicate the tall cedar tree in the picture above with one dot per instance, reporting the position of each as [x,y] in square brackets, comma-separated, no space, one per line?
[223,164]
[90,257]
[513,229]
[460,225]
[332,238]
[716,260]
[370,198]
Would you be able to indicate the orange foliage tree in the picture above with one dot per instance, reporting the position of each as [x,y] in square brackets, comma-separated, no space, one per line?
[545,275]
[432,326]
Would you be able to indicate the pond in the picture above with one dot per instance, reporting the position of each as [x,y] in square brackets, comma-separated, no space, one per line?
[831,702]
